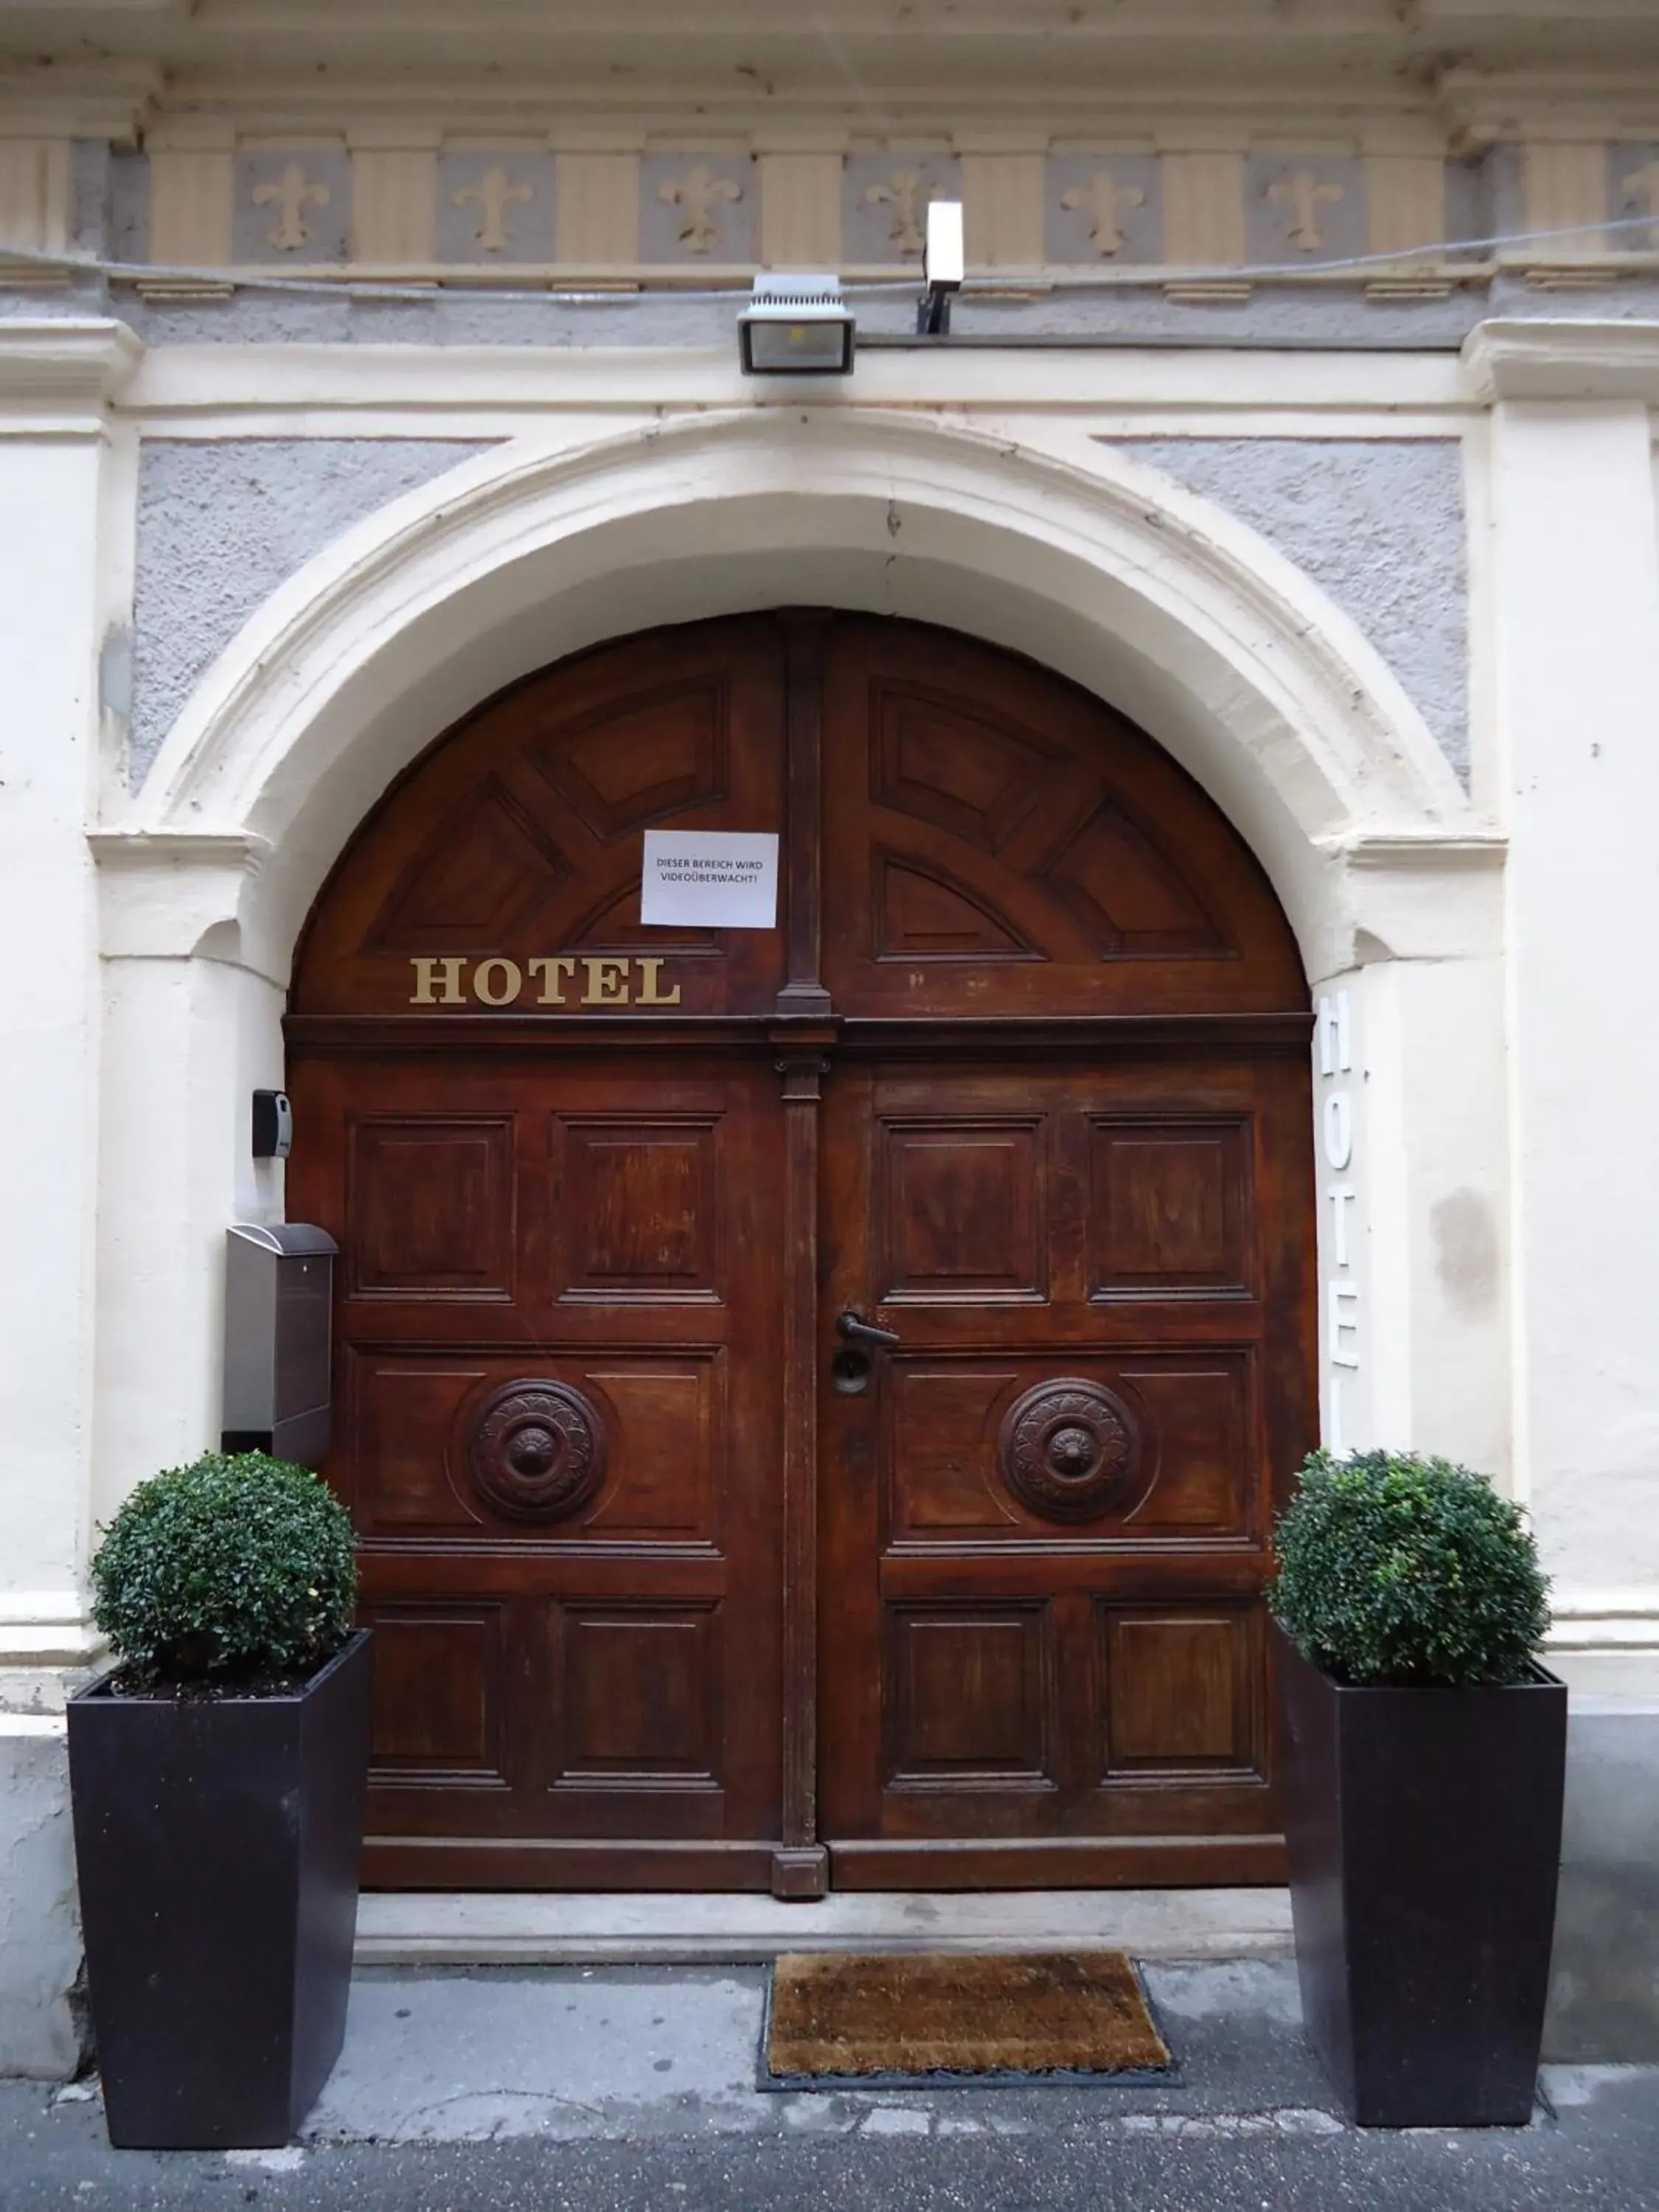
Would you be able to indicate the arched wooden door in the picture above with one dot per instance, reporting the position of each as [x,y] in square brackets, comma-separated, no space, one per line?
[681,1578]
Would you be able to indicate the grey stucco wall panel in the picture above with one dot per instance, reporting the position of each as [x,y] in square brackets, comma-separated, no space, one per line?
[1378,524]
[90,193]
[452,316]
[75,299]
[1276,314]
[1273,315]
[221,525]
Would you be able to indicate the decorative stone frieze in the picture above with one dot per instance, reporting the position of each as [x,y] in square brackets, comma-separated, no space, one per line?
[34,199]
[291,205]
[1103,209]
[598,208]
[192,196]
[394,193]
[799,208]
[696,208]
[1304,208]
[1188,204]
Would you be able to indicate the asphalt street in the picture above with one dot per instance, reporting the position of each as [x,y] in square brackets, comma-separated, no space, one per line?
[1603,2155]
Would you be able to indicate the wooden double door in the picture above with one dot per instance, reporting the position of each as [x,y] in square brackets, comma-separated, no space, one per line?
[811,1400]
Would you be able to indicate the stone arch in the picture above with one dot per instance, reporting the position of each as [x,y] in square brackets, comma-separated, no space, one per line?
[1068,550]
[1061,548]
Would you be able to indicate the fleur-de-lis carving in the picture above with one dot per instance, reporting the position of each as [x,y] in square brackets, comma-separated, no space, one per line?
[292,193]
[907,194]
[1104,197]
[1301,195]
[697,194]
[492,195]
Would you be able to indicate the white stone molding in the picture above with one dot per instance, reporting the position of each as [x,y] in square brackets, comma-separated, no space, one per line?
[1406,896]
[162,893]
[188,390]
[1483,103]
[1351,63]
[1406,848]
[79,98]
[61,498]
[47,1629]
[1563,360]
[59,375]
[188,1030]
[1250,674]
[1575,649]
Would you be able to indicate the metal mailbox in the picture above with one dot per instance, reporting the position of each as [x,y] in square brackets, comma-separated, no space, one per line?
[279,1299]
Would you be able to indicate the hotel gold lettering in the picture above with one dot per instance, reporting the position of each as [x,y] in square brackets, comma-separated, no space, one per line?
[562,979]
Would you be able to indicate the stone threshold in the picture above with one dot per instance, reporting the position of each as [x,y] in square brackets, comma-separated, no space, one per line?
[485,1929]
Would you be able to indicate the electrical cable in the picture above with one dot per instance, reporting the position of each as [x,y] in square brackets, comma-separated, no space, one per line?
[423,293]
[417,294]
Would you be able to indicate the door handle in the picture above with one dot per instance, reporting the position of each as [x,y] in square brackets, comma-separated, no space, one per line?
[852,1328]
[851,1368]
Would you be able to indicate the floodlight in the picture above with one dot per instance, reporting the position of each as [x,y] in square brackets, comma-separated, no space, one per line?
[796,326]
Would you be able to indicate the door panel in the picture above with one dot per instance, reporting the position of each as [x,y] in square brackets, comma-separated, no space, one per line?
[961,1216]
[1047,1515]
[943,1443]
[557,1425]
[519,837]
[432,1207]
[999,843]
[1179,1695]
[968,1695]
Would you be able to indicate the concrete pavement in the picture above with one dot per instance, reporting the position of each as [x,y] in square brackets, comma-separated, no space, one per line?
[624,2087]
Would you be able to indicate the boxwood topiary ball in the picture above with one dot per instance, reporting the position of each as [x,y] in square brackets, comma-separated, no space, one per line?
[233,1567]
[1395,1570]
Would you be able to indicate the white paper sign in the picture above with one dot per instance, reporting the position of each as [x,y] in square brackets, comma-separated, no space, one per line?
[714,878]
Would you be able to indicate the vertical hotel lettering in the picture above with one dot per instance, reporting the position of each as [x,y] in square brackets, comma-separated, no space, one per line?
[1336,1145]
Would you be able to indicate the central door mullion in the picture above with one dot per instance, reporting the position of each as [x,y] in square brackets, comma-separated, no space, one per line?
[804,633]
[800,1869]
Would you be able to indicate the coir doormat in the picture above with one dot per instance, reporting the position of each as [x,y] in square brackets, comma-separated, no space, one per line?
[883,2020]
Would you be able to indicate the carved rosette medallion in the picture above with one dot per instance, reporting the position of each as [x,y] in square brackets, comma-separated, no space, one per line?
[536,1450]
[1068,1449]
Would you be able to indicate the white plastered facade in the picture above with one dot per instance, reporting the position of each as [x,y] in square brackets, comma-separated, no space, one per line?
[1478,954]
[989,496]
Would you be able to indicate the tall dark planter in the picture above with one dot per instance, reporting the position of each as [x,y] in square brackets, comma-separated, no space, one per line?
[217,1843]
[1425,1835]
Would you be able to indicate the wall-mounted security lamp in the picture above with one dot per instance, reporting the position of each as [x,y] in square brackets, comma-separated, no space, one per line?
[796,326]
[273,1125]
[941,269]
